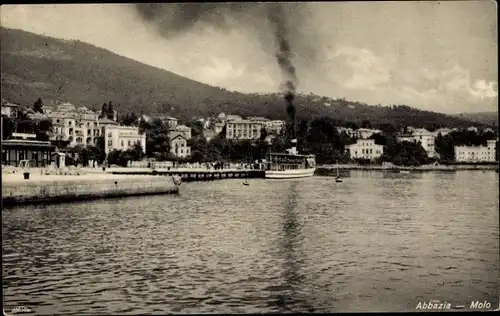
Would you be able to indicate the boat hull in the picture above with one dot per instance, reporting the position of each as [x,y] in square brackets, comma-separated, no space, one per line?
[289,174]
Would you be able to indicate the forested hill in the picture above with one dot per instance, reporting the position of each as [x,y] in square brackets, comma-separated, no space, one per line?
[489,118]
[38,66]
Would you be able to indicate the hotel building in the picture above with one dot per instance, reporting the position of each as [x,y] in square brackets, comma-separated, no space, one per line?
[365,149]
[422,137]
[365,133]
[243,129]
[477,153]
[179,136]
[118,137]
[79,126]
[274,126]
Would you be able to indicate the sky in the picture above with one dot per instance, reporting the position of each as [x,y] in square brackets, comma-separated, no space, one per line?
[435,55]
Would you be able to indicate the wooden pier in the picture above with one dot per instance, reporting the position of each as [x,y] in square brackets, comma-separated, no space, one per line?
[189,175]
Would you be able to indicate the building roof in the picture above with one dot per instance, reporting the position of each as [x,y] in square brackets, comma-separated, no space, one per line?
[167,118]
[182,127]
[8,104]
[241,121]
[233,117]
[26,143]
[258,118]
[177,136]
[421,131]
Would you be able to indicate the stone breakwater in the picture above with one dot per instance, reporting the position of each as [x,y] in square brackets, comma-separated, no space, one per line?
[56,188]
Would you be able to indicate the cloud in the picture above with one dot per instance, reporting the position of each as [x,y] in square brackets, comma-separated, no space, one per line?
[439,56]
[220,70]
[368,70]
[484,90]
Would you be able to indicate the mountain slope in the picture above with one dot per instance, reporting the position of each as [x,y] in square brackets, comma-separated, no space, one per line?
[38,66]
[489,118]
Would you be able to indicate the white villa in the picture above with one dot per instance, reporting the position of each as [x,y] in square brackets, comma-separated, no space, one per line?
[424,138]
[122,138]
[365,149]
[476,153]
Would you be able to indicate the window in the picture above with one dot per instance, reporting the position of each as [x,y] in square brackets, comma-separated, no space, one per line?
[110,143]
[122,143]
[129,143]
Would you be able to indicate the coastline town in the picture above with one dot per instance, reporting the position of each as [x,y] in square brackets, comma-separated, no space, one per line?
[66,136]
[249,158]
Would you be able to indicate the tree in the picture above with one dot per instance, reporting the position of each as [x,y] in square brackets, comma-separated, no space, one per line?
[104,111]
[404,153]
[136,152]
[157,141]
[445,148]
[365,124]
[110,113]
[42,129]
[196,128]
[8,125]
[263,134]
[199,147]
[38,106]
[130,119]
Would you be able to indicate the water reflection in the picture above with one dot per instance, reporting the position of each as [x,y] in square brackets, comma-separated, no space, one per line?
[291,297]
[374,242]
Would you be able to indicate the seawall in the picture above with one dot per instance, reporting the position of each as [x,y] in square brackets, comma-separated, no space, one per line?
[328,168]
[57,188]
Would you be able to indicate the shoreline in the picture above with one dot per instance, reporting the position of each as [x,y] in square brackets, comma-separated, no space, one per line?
[493,167]
[68,188]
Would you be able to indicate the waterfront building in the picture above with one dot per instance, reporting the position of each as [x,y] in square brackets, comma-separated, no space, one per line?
[79,126]
[349,131]
[179,146]
[104,121]
[232,117]
[178,136]
[180,130]
[443,131]
[10,110]
[26,147]
[243,129]
[422,137]
[488,130]
[258,119]
[274,126]
[365,149]
[476,153]
[170,122]
[122,138]
[365,133]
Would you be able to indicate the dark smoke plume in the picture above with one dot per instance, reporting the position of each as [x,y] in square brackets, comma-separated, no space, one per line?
[175,19]
[279,21]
